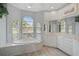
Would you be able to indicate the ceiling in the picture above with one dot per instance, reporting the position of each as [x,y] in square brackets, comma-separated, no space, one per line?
[36,7]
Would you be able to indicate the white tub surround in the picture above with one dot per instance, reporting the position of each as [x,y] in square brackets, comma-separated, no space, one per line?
[20,47]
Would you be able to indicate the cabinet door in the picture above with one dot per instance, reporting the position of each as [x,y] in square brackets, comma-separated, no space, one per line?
[60,42]
[50,40]
[76,48]
[68,45]
[65,44]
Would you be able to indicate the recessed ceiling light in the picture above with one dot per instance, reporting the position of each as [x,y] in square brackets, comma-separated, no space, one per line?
[28,6]
[51,7]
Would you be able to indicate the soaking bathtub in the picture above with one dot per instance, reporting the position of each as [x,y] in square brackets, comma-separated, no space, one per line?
[20,47]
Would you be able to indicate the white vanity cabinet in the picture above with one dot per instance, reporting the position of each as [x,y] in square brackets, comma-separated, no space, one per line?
[50,39]
[65,43]
[76,46]
[60,42]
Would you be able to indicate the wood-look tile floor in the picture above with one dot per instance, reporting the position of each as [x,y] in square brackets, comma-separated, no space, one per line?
[46,51]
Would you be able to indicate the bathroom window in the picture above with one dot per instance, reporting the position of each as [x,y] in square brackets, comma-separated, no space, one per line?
[70,29]
[15,30]
[62,25]
[27,26]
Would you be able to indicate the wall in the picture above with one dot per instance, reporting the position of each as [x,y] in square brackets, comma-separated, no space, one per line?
[3,31]
[52,15]
[67,11]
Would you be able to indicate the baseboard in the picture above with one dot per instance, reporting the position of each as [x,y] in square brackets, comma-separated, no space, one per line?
[64,52]
[49,46]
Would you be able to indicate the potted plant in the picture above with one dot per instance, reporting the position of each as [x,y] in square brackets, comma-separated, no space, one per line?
[3,10]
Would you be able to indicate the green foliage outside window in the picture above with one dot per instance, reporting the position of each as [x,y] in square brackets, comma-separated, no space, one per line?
[3,10]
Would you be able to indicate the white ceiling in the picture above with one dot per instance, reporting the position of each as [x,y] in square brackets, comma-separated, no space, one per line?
[35,7]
